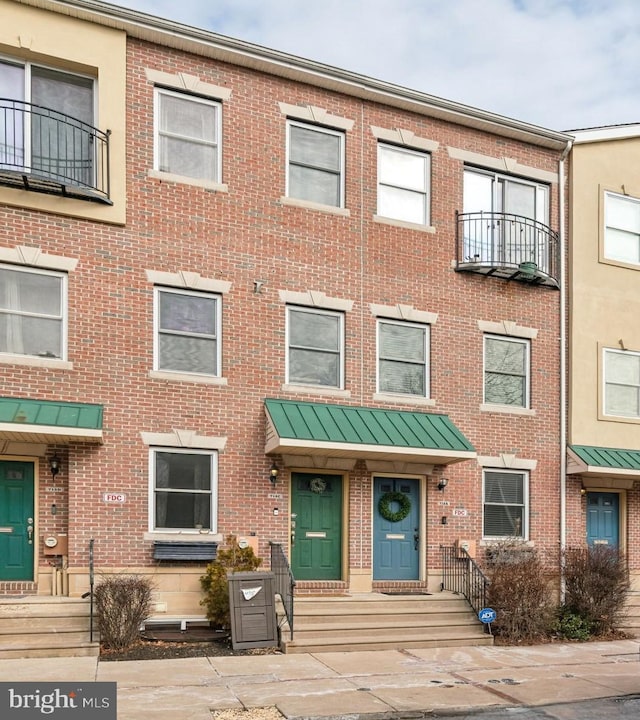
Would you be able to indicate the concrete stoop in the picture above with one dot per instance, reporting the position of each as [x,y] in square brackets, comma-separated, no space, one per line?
[45,626]
[631,623]
[382,622]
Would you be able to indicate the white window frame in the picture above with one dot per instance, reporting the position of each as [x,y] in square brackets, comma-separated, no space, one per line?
[213,491]
[159,92]
[64,310]
[606,382]
[217,299]
[608,226]
[524,535]
[341,345]
[527,376]
[425,193]
[426,365]
[341,172]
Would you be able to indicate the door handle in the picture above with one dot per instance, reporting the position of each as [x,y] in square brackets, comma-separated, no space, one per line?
[30,534]
[416,539]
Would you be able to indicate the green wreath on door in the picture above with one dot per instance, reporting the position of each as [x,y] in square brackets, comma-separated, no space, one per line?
[386,503]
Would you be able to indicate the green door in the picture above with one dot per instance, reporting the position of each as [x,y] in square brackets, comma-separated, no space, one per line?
[16,521]
[316,526]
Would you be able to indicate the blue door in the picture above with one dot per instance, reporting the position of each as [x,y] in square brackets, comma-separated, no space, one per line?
[603,518]
[396,542]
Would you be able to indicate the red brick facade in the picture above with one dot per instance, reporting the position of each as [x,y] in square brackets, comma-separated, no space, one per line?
[247,234]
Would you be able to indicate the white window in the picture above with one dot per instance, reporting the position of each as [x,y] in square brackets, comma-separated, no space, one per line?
[55,110]
[188,130]
[506,371]
[32,312]
[622,228]
[505,504]
[622,383]
[403,357]
[315,164]
[187,334]
[403,184]
[315,342]
[184,487]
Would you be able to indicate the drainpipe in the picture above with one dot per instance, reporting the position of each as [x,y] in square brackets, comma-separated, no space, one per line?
[563,368]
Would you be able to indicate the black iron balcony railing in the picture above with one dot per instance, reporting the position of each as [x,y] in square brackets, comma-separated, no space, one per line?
[507,246]
[44,150]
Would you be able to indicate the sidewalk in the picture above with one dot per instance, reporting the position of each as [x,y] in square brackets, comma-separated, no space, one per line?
[380,683]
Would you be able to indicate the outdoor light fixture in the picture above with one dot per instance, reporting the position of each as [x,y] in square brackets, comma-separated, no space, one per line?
[442,484]
[273,473]
[54,465]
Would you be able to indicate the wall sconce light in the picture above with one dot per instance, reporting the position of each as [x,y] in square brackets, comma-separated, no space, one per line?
[54,465]
[273,473]
[442,484]
[583,490]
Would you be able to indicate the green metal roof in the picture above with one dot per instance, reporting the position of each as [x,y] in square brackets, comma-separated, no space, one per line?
[341,430]
[609,458]
[46,420]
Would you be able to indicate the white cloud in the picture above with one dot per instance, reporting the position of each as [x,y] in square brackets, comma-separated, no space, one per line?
[557,63]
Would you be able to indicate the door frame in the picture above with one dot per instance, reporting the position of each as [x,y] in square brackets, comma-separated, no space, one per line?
[622,512]
[423,570]
[35,461]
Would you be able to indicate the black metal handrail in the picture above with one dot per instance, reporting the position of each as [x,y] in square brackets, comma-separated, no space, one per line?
[505,240]
[461,574]
[284,581]
[47,151]
[89,593]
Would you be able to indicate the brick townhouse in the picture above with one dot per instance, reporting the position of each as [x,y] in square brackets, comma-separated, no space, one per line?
[245,293]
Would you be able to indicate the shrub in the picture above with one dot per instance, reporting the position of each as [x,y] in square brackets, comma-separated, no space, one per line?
[596,586]
[214,583]
[123,603]
[519,594]
[571,626]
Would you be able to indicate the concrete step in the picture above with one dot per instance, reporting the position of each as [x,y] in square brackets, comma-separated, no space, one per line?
[378,622]
[45,626]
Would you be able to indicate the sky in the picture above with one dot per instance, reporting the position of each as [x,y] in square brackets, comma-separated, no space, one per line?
[560,64]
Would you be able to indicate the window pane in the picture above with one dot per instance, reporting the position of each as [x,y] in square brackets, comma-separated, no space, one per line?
[183,471]
[402,205]
[186,354]
[314,185]
[188,159]
[622,368]
[30,292]
[503,521]
[403,342]
[187,313]
[397,377]
[622,400]
[183,511]
[402,169]
[504,389]
[622,246]
[505,356]
[623,213]
[187,118]
[504,488]
[314,330]
[314,368]
[314,148]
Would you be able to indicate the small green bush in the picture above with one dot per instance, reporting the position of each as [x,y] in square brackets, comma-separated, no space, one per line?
[571,626]
[123,603]
[214,582]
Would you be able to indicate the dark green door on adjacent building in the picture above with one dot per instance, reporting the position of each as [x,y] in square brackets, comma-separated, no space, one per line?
[316,526]
[16,521]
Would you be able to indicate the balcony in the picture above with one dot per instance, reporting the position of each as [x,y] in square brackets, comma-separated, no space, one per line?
[507,246]
[62,155]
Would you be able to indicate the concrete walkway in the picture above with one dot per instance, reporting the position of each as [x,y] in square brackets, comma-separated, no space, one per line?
[381,684]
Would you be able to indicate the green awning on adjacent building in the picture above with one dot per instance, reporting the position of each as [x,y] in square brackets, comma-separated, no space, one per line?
[602,462]
[306,428]
[38,421]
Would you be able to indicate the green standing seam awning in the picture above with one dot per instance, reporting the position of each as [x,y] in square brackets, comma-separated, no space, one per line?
[603,462]
[26,420]
[306,428]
